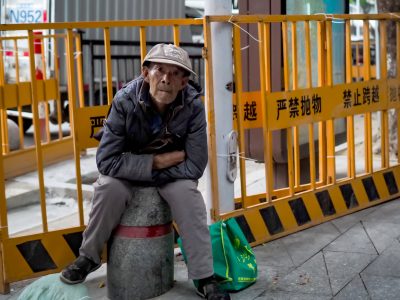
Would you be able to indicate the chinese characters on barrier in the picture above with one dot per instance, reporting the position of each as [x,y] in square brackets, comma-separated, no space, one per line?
[305,106]
[96,122]
[364,96]
[338,101]
[250,111]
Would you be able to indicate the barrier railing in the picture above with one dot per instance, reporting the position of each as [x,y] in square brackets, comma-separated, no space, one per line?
[313,104]
[22,69]
[311,110]
[31,255]
[127,66]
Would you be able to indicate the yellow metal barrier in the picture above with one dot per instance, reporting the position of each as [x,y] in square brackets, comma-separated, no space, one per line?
[265,216]
[278,212]
[49,251]
[36,90]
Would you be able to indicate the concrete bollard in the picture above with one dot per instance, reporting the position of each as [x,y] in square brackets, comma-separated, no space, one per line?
[141,251]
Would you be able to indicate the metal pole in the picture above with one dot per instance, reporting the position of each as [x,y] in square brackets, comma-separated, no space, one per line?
[221,39]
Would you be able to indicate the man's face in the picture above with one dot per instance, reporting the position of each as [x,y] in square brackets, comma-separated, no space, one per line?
[165,82]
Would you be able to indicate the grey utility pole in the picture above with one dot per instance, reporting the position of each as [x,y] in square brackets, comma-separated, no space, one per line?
[221,34]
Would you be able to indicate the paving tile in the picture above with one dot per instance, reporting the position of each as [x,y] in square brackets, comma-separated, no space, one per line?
[382,233]
[343,266]
[382,287]
[273,253]
[345,222]
[355,290]
[310,278]
[386,211]
[353,240]
[305,244]
[290,296]
[387,264]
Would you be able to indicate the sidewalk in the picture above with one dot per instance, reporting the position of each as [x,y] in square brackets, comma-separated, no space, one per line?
[353,257]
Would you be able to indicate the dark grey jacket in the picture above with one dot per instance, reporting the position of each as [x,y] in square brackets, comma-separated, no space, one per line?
[132,125]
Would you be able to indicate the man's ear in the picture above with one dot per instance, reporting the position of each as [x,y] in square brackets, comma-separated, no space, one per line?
[145,73]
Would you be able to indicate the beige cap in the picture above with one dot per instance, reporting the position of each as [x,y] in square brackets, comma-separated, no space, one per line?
[169,54]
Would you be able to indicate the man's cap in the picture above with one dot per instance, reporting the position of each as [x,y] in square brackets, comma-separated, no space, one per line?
[169,54]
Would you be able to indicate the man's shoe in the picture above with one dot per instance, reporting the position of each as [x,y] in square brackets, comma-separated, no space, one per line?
[212,291]
[78,270]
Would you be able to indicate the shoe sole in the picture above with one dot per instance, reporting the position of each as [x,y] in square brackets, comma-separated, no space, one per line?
[67,281]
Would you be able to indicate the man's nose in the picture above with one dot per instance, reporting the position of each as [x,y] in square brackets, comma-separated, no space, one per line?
[166,78]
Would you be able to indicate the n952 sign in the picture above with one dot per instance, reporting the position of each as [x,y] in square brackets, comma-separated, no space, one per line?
[25,16]
[25,11]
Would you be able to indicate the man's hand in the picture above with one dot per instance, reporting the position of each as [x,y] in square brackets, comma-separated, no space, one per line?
[169,159]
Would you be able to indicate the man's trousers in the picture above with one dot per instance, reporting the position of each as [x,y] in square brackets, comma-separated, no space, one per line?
[110,198]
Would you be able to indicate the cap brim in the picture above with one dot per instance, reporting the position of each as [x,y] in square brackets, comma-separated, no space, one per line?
[171,62]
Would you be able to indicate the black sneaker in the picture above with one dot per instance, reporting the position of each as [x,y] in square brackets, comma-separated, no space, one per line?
[78,270]
[212,291]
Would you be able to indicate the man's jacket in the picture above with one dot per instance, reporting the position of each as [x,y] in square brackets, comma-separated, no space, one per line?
[134,132]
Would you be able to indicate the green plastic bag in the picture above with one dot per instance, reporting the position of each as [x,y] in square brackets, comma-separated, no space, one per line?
[234,261]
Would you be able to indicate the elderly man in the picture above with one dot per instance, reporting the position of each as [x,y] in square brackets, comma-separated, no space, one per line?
[155,135]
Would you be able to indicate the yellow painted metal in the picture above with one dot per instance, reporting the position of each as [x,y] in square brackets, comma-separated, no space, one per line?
[249,98]
[237,55]
[79,67]
[330,101]
[398,78]
[384,114]
[285,54]
[330,126]
[296,149]
[45,104]
[332,106]
[351,168]
[19,94]
[312,206]
[58,93]
[20,120]
[17,267]
[307,47]
[107,53]
[23,161]
[289,130]
[257,225]
[143,49]
[321,82]
[294,18]
[289,141]
[3,205]
[265,85]
[89,120]
[38,145]
[3,113]
[287,216]
[367,119]
[177,40]
[212,147]
[4,285]
[72,107]
[101,24]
